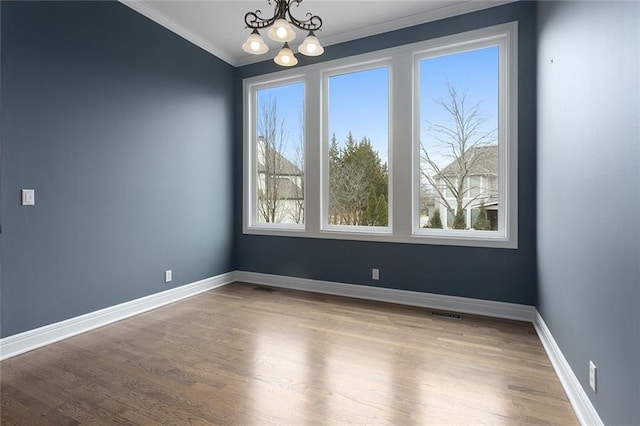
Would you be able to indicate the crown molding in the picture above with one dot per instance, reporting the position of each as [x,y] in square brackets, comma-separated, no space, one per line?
[417,19]
[160,18]
[396,24]
[421,18]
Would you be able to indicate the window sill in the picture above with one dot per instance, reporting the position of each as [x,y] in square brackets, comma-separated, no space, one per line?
[449,238]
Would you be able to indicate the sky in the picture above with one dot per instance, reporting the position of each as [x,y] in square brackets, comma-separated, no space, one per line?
[359,101]
[290,103]
[472,72]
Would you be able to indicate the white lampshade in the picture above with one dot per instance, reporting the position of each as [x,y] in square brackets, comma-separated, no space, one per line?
[281,31]
[255,44]
[285,57]
[311,46]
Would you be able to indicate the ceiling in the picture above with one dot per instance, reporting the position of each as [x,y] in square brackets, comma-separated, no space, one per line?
[218,26]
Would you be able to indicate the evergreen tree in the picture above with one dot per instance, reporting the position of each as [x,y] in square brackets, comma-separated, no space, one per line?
[382,211]
[459,221]
[435,221]
[334,151]
[377,212]
[335,181]
[482,222]
[358,184]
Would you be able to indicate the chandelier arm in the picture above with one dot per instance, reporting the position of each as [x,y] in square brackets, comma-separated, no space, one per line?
[312,23]
[254,21]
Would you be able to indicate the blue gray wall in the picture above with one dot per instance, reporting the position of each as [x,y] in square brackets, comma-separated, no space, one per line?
[493,274]
[131,137]
[589,195]
[124,130]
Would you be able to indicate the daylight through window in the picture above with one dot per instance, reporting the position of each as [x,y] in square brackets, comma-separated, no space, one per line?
[458,144]
[279,155]
[358,148]
[413,144]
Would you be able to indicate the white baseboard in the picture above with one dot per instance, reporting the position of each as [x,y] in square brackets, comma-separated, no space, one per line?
[587,414]
[20,343]
[581,404]
[403,297]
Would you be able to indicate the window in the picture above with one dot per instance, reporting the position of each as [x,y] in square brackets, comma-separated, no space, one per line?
[458,96]
[414,144]
[278,148]
[357,149]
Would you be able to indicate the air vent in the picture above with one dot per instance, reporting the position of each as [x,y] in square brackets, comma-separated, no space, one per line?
[265,289]
[446,315]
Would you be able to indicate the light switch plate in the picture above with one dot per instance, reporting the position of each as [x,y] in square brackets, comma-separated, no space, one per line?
[28,197]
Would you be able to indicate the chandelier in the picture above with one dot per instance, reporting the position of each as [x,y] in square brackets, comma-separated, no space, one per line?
[282,32]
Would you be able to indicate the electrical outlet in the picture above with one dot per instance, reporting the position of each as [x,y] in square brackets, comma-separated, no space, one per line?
[168,276]
[592,375]
[28,197]
[375,274]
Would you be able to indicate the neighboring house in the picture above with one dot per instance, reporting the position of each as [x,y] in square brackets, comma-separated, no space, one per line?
[481,185]
[280,188]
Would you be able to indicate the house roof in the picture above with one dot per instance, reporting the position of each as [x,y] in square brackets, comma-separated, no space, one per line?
[283,166]
[285,172]
[288,190]
[485,162]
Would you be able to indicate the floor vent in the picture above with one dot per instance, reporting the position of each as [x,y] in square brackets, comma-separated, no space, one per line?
[446,315]
[265,289]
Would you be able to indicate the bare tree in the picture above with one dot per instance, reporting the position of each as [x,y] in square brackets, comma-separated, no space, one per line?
[279,180]
[271,143]
[349,194]
[462,144]
[427,197]
[297,213]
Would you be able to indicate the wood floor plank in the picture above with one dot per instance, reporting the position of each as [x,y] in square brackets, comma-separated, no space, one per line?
[238,355]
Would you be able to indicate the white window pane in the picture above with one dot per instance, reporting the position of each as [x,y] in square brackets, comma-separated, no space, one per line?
[358,122]
[279,174]
[459,155]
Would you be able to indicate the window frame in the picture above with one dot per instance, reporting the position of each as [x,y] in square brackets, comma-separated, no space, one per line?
[383,62]
[506,235]
[403,158]
[250,151]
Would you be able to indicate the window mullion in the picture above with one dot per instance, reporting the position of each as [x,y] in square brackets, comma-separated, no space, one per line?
[401,137]
[408,194]
[313,151]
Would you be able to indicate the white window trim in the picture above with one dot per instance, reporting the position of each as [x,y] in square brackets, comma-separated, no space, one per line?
[384,62]
[507,149]
[402,144]
[250,157]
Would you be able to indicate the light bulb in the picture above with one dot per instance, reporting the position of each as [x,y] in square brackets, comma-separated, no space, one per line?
[255,44]
[281,31]
[311,46]
[285,57]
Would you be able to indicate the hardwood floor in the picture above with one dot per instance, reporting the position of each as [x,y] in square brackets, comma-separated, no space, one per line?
[247,356]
